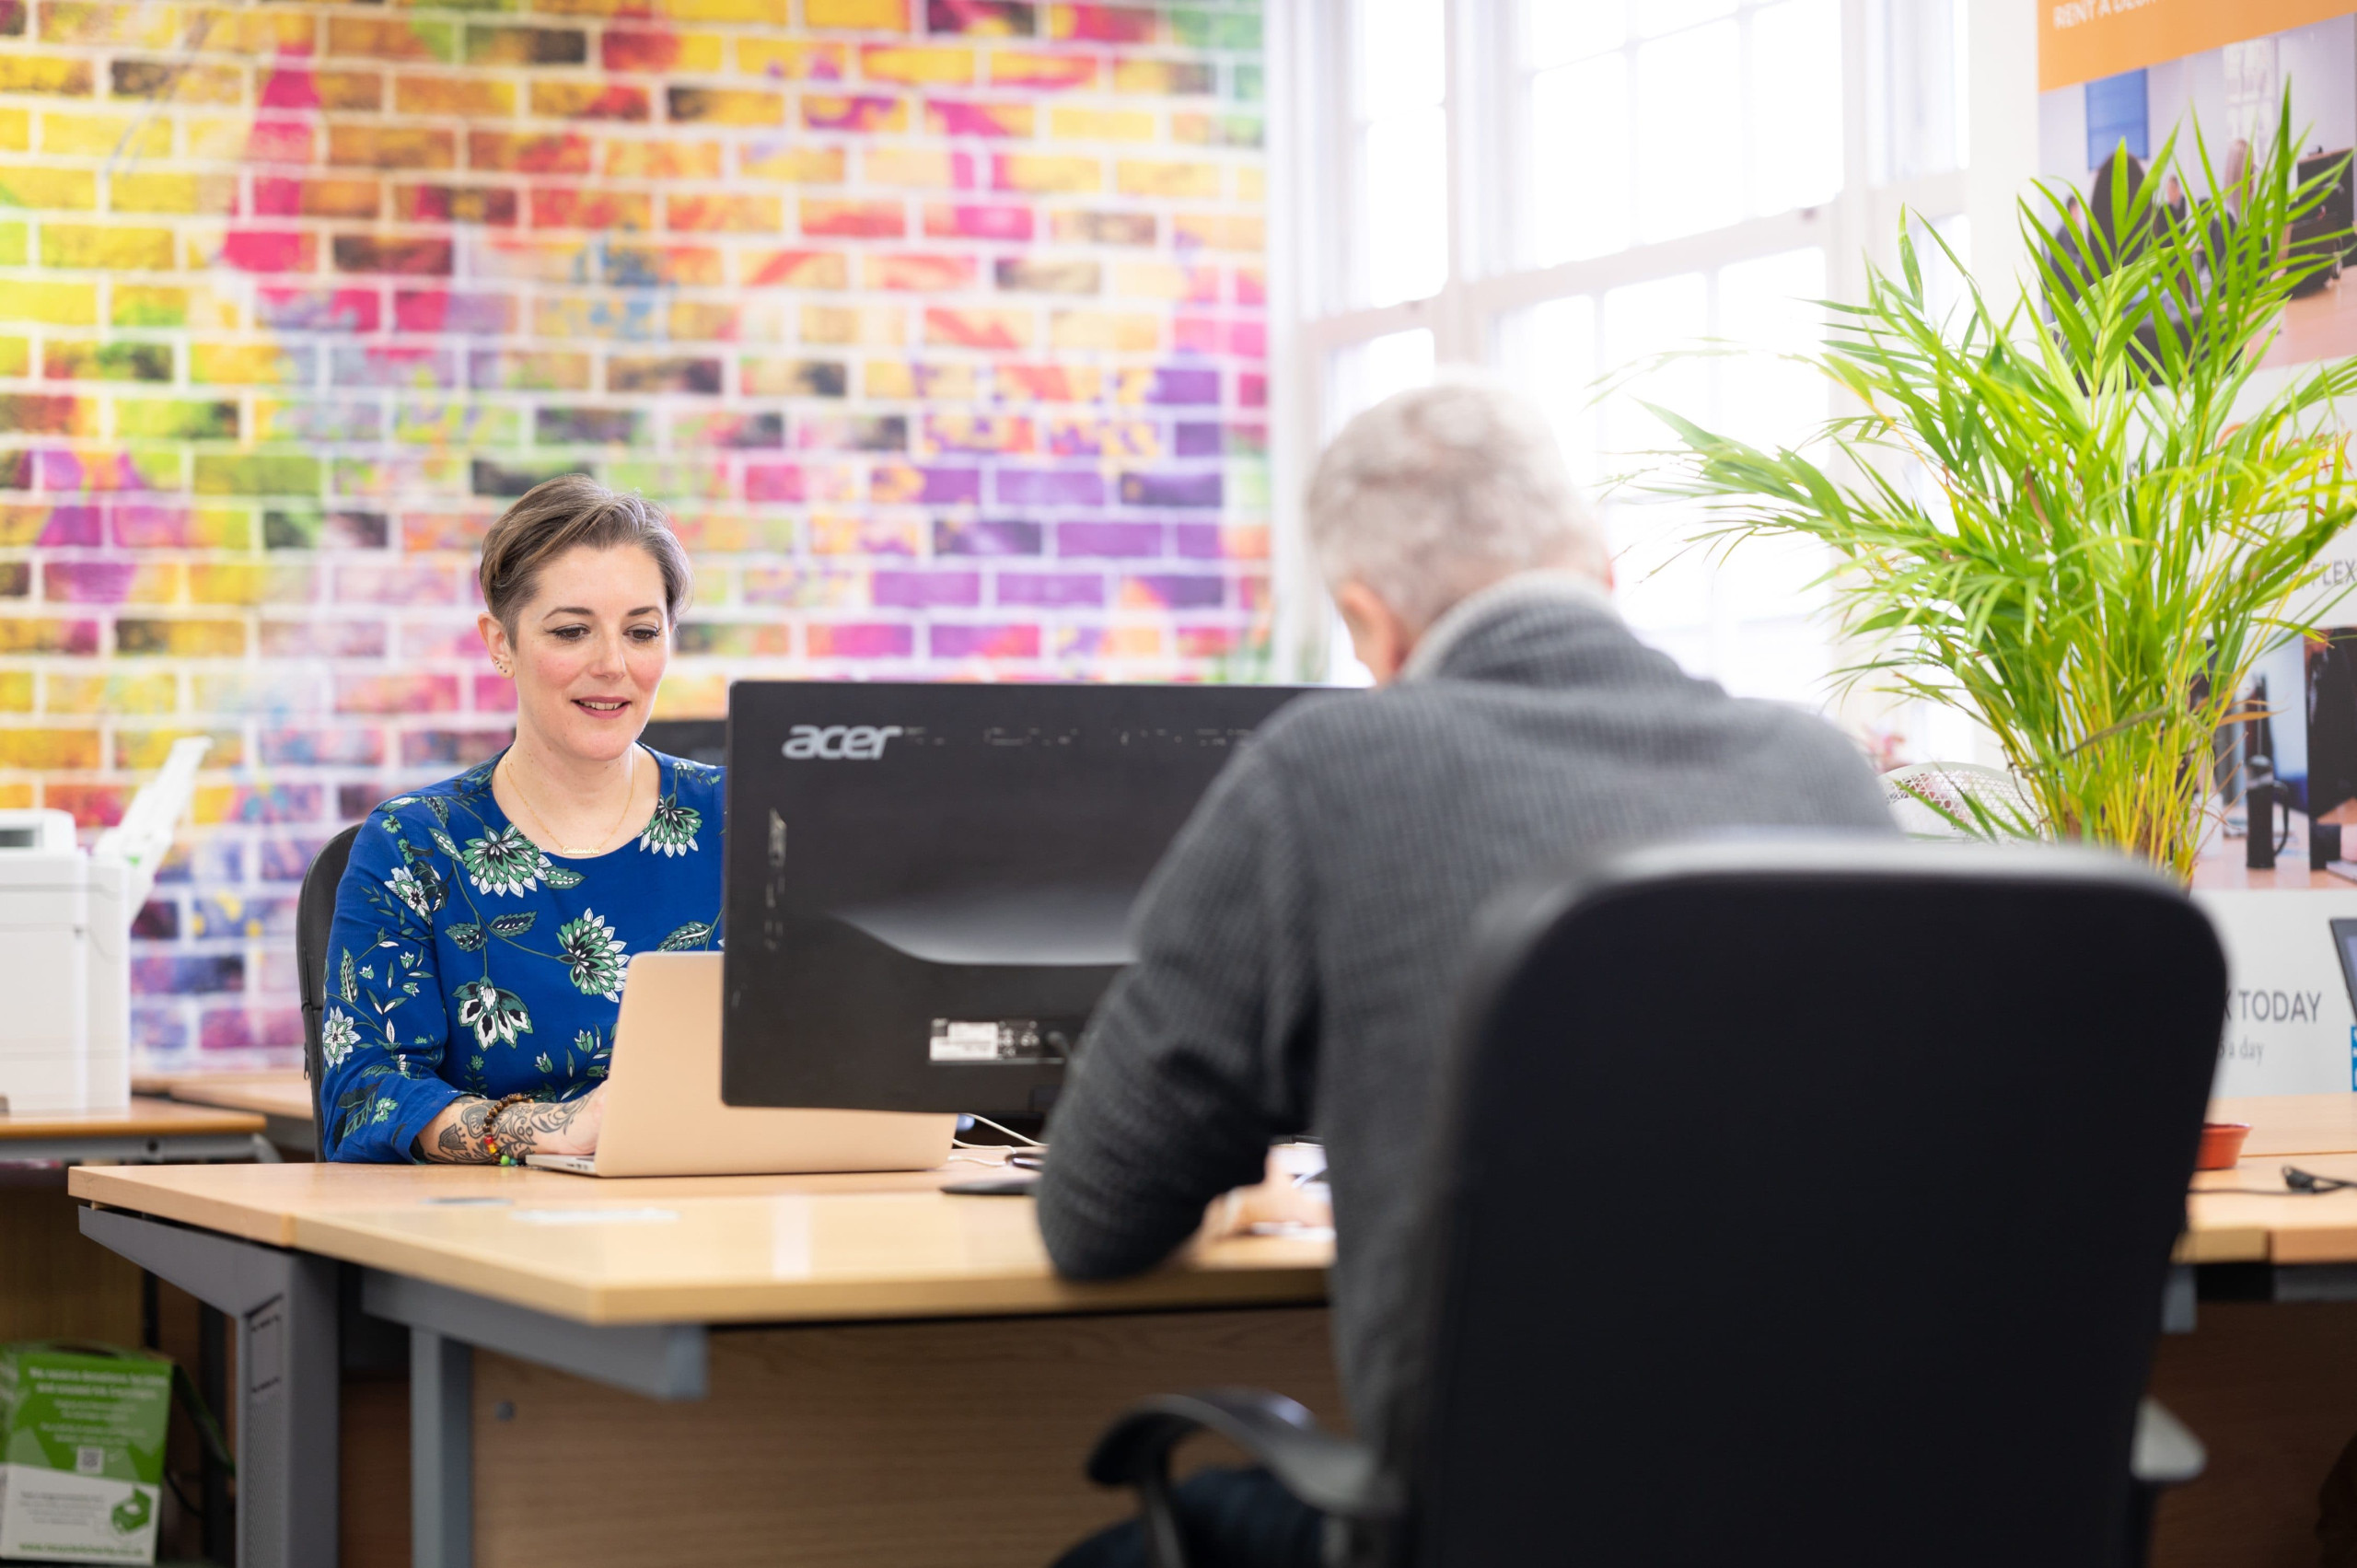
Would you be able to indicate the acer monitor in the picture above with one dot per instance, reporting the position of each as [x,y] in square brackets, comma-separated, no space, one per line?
[929,886]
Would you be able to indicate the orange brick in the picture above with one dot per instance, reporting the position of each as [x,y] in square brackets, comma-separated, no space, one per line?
[862,113]
[990,329]
[1218,231]
[1042,173]
[724,215]
[918,275]
[317,197]
[564,207]
[663,160]
[795,269]
[876,16]
[535,154]
[914,168]
[45,749]
[591,100]
[1027,68]
[392,146]
[474,96]
[1105,330]
[869,326]
[858,220]
[705,321]
[391,37]
[621,49]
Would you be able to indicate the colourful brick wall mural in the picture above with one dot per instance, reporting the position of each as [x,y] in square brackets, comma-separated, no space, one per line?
[938,323]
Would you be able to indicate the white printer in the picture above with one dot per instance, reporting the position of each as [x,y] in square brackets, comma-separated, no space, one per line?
[65,945]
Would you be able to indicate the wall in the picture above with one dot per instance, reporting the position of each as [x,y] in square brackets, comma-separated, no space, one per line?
[938,323]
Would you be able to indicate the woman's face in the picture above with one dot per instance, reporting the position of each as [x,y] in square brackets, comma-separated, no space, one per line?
[588,650]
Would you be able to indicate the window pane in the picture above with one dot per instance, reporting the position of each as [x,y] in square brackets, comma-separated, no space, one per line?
[1769,308]
[1364,374]
[1549,350]
[1556,30]
[1689,125]
[1579,160]
[1403,194]
[1403,56]
[1655,17]
[1796,141]
[1641,322]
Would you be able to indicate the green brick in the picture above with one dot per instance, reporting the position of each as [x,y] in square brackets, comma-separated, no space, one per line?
[257,473]
[137,306]
[1248,84]
[176,419]
[1216,29]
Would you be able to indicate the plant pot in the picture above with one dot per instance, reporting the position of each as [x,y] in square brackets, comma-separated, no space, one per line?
[2221,1145]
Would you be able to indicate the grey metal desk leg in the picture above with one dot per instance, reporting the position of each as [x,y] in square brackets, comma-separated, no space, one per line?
[441,1451]
[285,1304]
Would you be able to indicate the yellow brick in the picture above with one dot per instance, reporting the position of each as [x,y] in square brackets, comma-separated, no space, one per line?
[147,748]
[1154,176]
[16,690]
[261,32]
[210,194]
[888,378]
[1251,185]
[793,164]
[142,26]
[106,135]
[39,185]
[113,693]
[912,66]
[239,582]
[795,59]
[15,355]
[1105,330]
[115,249]
[877,14]
[12,244]
[1150,280]
[663,160]
[878,326]
[46,749]
[44,73]
[16,797]
[16,129]
[1101,125]
[237,364]
[54,304]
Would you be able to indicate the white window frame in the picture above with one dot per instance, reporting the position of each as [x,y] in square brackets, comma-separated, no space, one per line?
[1312,187]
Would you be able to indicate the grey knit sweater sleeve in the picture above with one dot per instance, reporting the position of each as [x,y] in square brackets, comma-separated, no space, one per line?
[1202,1050]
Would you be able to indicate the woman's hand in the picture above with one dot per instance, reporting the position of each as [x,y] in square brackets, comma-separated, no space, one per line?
[1274,1201]
[556,1127]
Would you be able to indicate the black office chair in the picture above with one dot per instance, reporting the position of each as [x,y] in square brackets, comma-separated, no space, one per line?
[314,913]
[1794,1202]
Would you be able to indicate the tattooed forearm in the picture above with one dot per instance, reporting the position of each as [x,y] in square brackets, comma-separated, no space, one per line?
[460,1135]
[528,1124]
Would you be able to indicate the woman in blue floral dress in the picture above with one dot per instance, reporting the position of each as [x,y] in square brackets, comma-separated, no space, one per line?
[481,927]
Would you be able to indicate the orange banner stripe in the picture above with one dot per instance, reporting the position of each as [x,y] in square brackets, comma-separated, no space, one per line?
[2080,40]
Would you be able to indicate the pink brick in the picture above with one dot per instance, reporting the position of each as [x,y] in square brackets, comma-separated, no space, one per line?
[495,694]
[397,694]
[860,640]
[270,250]
[405,583]
[952,220]
[983,642]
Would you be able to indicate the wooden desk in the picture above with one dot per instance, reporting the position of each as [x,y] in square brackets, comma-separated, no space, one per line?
[2292,1124]
[852,1369]
[283,1099]
[146,1130]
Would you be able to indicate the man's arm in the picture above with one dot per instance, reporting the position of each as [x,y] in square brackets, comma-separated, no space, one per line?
[1201,1052]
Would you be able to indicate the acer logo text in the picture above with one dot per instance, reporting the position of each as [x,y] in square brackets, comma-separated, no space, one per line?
[837,742]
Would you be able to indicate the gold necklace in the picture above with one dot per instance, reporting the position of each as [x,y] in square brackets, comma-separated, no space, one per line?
[517,782]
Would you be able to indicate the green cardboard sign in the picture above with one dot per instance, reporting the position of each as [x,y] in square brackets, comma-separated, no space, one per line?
[81,1451]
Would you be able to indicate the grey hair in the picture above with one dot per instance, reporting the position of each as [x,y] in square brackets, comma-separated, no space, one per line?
[1433,494]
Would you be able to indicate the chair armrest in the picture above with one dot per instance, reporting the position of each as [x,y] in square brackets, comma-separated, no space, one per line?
[1331,1474]
[2166,1452]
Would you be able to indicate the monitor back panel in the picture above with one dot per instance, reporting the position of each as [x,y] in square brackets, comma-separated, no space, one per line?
[929,886]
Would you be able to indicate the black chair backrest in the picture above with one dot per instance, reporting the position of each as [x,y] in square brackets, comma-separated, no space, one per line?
[1810,1202]
[314,913]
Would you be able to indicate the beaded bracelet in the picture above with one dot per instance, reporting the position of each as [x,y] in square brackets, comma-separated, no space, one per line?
[491,1127]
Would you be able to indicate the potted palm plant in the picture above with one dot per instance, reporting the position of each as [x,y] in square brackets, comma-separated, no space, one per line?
[2080,520]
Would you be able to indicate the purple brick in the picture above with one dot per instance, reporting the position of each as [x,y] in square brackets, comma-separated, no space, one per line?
[187,974]
[356,748]
[1125,541]
[159,920]
[1192,440]
[1171,489]
[1198,541]
[204,860]
[381,365]
[285,860]
[984,641]
[317,310]
[71,525]
[240,917]
[1176,386]
[1169,590]
[88,582]
[83,471]
[923,590]
[1051,590]
[452,748]
[154,1030]
[248,1028]
[1048,487]
[276,803]
[904,484]
[986,536]
[342,637]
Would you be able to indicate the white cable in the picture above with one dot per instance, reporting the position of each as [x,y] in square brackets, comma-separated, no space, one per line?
[1021,1142]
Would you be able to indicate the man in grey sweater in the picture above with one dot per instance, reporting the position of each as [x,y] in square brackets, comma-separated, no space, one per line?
[1299,948]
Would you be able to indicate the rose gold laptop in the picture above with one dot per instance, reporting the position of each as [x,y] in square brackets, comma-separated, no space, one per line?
[664,1117]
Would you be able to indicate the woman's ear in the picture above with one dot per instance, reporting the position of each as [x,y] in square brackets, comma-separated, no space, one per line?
[494,640]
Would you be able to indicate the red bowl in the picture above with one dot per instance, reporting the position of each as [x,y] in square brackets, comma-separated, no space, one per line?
[2221,1145]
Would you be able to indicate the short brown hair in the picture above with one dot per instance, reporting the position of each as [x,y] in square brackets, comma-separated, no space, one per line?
[560,514]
